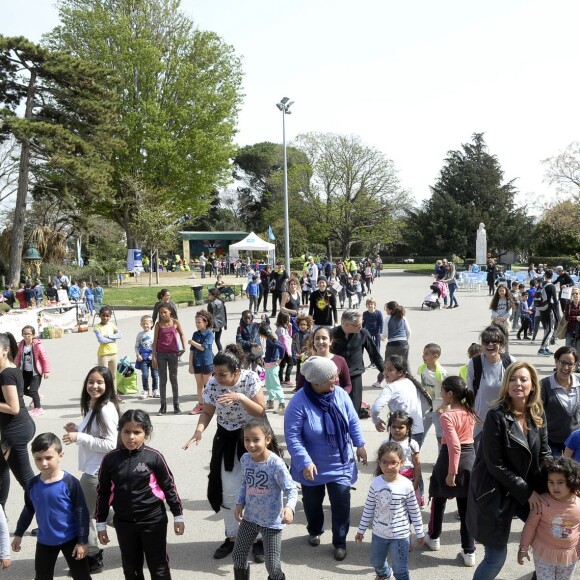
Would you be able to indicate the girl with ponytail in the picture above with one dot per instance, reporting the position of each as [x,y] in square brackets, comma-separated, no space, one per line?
[453,467]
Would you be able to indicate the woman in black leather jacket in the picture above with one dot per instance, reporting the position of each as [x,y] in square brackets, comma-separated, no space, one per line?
[505,480]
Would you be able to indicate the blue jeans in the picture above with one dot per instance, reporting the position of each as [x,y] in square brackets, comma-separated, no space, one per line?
[452,299]
[399,549]
[339,495]
[492,563]
[145,366]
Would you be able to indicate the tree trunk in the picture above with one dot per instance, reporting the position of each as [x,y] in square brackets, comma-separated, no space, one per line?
[17,234]
[328,249]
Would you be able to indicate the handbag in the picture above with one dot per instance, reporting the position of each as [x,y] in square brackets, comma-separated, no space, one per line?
[562,327]
[566,293]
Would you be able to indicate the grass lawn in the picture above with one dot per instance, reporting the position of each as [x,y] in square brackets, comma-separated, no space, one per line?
[411,268]
[146,296]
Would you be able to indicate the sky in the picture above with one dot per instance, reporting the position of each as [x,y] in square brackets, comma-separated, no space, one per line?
[413,79]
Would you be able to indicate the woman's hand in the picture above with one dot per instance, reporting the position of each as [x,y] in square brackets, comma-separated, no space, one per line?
[46,376]
[154,362]
[361,454]
[450,480]
[239,513]
[536,501]
[230,398]
[523,553]
[195,439]
[309,472]
[70,437]
[70,427]
[381,426]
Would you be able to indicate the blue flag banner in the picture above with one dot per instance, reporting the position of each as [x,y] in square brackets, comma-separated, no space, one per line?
[271,233]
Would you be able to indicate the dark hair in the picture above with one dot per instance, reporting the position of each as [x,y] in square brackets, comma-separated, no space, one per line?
[305,318]
[231,357]
[569,468]
[494,332]
[137,416]
[474,349]
[104,309]
[396,309]
[282,319]
[401,364]
[213,292]
[388,447]
[566,350]
[400,415]
[162,293]
[495,300]
[313,335]
[8,341]
[45,441]
[433,348]
[263,424]
[97,408]
[29,327]
[461,394]
[265,330]
[549,274]
[206,316]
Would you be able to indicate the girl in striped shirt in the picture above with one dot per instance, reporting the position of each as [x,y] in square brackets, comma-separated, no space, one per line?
[390,505]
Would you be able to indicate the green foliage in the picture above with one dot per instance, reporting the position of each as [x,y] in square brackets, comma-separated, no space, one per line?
[470,190]
[354,192]
[558,231]
[65,133]
[178,90]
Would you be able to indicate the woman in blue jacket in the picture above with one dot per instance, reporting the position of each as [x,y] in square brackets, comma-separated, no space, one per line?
[321,426]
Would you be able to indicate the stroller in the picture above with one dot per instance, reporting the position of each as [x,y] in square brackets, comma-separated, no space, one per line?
[431,301]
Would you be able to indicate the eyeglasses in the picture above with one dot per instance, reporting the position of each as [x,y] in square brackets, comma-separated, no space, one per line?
[390,463]
[491,341]
[563,363]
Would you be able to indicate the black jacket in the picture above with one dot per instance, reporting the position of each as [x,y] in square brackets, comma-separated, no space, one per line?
[131,482]
[352,346]
[505,473]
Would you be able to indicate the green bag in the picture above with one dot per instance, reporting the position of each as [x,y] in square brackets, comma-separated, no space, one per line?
[127,385]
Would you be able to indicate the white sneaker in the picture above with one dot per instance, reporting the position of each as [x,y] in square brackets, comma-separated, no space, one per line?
[468,559]
[378,385]
[432,544]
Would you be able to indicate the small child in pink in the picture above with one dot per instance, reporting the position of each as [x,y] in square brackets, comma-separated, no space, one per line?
[554,533]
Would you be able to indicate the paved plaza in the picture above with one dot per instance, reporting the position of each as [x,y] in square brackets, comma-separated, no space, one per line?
[191,554]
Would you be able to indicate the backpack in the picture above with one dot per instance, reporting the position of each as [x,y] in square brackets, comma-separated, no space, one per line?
[478,369]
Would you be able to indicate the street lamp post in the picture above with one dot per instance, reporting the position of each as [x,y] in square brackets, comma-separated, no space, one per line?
[284,106]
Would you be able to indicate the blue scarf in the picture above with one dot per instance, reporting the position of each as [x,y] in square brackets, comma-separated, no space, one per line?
[334,422]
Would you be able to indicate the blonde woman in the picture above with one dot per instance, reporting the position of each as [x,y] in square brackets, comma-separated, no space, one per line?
[506,479]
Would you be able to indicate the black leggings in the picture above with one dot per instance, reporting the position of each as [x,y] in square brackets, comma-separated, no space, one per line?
[288,364]
[218,338]
[46,556]
[31,387]
[264,294]
[136,541]
[18,460]
[436,521]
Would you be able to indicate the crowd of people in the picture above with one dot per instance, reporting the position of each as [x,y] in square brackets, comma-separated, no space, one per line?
[508,442]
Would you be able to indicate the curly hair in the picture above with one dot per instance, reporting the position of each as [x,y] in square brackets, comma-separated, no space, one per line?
[569,468]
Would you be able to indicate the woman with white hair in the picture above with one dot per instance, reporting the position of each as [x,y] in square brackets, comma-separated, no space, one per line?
[321,426]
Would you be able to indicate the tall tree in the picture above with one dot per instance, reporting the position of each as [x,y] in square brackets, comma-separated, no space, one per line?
[563,170]
[558,231]
[67,123]
[178,90]
[260,169]
[470,190]
[354,194]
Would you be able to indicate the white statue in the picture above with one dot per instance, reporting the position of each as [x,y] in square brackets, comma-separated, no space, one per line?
[481,245]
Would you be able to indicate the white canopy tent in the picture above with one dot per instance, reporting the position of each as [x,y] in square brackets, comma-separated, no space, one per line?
[254,243]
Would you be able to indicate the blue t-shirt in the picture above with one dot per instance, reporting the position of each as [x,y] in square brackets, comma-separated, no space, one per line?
[263,487]
[253,289]
[573,442]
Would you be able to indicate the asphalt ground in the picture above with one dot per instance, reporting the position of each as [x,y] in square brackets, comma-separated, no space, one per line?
[191,554]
